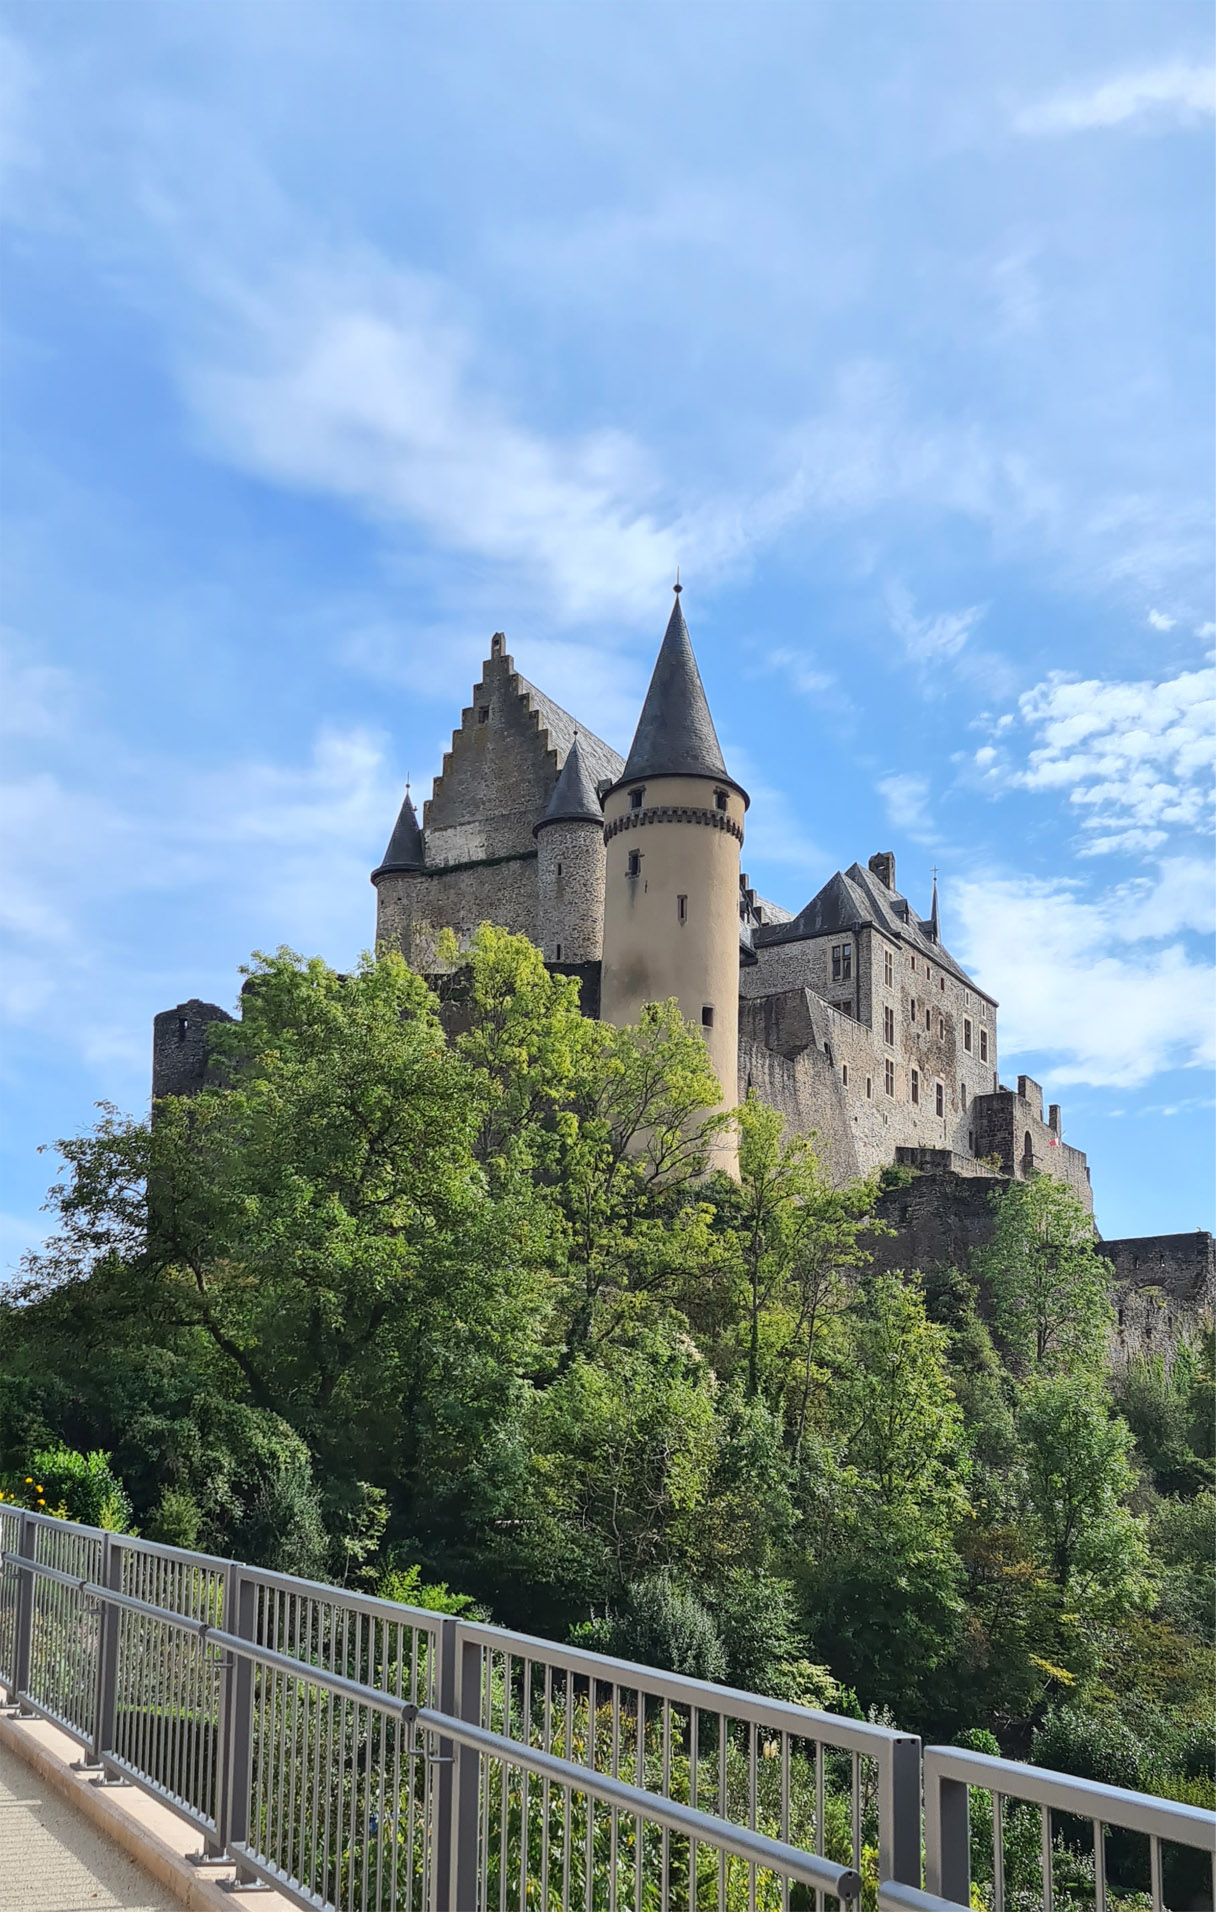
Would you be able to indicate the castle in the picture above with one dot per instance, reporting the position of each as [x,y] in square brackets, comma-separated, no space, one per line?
[851,1018]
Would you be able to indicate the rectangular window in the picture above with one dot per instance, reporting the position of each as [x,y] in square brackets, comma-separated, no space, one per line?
[847,956]
[720,799]
[967,1034]
[869,1089]
[559,869]
[888,1025]
[928,1022]
[916,1085]
[888,968]
[941,1028]
[962,1097]
[941,1099]
[707,1017]
[983,1045]
[971,1140]
[483,713]
[557,958]
[890,1078]
[842,962]
[634,865]
[635,799]
[836,962]
[912,960]
[844,1074]
[681,909]
[966,999]
[941,983]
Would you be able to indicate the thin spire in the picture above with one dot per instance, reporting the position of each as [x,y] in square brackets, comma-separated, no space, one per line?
[933,924]
[675,736]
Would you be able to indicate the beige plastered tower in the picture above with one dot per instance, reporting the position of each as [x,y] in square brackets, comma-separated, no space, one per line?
[673,828]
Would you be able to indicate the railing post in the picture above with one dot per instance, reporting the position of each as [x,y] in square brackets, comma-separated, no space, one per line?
[105,1707]
[23,1631]
[947,1836]
[236,1724]
[899,1812]
[440,1800]
[466,1796]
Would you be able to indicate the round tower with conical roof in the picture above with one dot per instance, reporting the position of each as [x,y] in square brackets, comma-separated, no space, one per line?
[396,881]
[570,867]
[673,828]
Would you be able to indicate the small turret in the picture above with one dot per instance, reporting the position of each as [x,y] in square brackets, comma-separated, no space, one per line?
[570,866]
[673,825]
[395,878]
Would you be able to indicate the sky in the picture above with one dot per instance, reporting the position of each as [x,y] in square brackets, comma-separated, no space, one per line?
[339,336]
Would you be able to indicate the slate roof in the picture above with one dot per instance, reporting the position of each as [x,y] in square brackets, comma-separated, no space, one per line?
[405,845]
[574,794]
[602,762]
[675,736]
[855,898]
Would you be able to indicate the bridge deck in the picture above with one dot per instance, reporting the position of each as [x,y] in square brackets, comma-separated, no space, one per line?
[53,1860]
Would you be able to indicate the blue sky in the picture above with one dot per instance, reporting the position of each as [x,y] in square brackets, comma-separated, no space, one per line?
[339,336]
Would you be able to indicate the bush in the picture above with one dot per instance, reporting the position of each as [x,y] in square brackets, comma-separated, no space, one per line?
[83,1487]
[1090,1746]
[661,1624]
[176,1521]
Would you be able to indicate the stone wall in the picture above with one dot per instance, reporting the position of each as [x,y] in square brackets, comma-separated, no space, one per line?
[1012,1128]
[1166,1285]
[570,891]
[413,906]
[180,1039]
[939,1219]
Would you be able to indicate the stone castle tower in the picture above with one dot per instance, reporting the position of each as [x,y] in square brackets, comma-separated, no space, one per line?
[673,828]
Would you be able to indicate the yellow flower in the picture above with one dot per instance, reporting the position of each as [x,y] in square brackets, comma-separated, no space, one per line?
[29,1480]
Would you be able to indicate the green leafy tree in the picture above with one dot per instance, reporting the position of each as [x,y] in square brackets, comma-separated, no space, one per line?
[1049,1287]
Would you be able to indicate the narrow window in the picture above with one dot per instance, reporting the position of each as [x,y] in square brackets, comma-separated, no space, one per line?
[827,1050]
[707,1016]
[635,799]
[720,799]
[966,999]
[847,961]
[941,983]
[483,713]
[916,1085]
[971,1140]
[888,968]
[844,1074]
[681,909]
[962,1097]
[869,1089]
[912,1008]
[889,1083]
[836,962]
[558,957]
[183,1025]
[845,1008]
[928,1022]
[912,960]
[967,1034]
[941,1099]
[888,1025]
[559,869]
[634,866]
[983,1045]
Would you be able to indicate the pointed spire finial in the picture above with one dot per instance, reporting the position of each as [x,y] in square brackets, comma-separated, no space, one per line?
[933,922]
[677,587]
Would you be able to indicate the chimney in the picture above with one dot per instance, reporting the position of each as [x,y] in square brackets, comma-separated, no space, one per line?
[882,865]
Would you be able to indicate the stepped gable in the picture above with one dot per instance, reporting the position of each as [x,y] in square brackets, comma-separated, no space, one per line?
[575,798]
[602,762]
[675,736]
[404,850]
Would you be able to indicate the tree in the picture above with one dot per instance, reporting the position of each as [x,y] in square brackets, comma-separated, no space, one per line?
[1049,1287]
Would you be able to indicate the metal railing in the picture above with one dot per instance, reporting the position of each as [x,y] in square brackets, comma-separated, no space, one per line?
[950,1774]
[357,1753]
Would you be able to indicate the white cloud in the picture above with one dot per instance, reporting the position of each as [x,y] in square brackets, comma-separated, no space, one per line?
[1104,988]
[1136,758]
[930,640]
[1206,630]
[1161,621]
[907,800]
[1178,93]
[803,674]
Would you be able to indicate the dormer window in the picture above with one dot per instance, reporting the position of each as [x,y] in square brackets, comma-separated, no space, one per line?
[720,799]
[635,799]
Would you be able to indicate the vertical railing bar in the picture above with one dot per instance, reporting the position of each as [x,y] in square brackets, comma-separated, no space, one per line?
[753,1781]
[820,1802]
[1099,1866]
[525,1805]
[855,1803]
[665,1789]
[722,1805]
[546,1791]
[786,1758]
[1045,1858]
[1154,1853]
[694,1774]
[998,1852]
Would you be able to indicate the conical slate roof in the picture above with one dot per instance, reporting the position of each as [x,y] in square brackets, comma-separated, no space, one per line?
[405,845]
[675,736]
[574,794]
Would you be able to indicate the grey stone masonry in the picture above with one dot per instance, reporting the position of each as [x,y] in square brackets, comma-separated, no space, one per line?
[180,1046]
[1166,1286]
[570,874]
[1011,1128]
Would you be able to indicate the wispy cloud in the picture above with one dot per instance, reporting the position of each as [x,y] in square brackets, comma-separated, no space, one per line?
[933,639]
[1161,621]
[906,797]
[1135,758]
[1105,988]
[1176,93]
